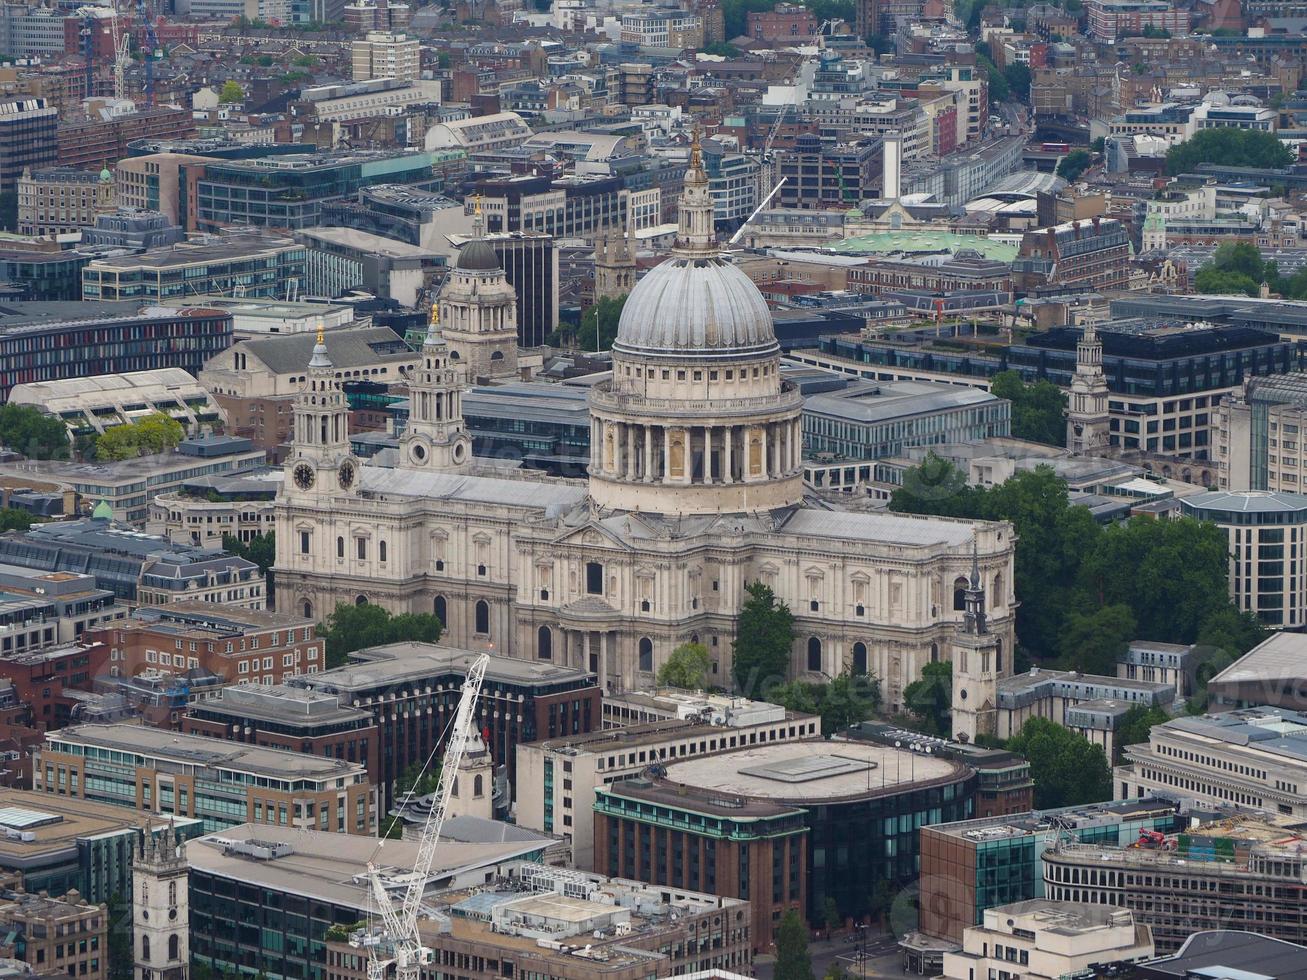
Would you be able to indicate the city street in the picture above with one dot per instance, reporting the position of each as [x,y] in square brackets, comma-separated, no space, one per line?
[882,957]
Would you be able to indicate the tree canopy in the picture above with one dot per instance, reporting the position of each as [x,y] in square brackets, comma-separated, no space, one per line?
[841,702]
[1238,269]
[687,667]
[1071,166]
[26,430]
[155,433]
[1232,147]
[764,636]
[351,628]
[930,698]
[603,316]
[1078,583]
[792,959]
[1038,410]
[1066,768]
[231,93]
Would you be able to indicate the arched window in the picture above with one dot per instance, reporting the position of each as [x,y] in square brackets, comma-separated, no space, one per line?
[814,653]
[438,607]
[646,653]
[174,948]
[545,643]
[959,593]
[455,785]
[360,600]
[478,786]
[934,653]
[998,656]
[308,609]
[594,578]
[482,616]
[997,597]
[340,547]
[859,658]
[381,550]
[145,949]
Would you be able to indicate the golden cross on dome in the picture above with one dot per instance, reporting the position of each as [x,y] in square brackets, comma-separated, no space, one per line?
[696,150]
[321,341]
[435,314]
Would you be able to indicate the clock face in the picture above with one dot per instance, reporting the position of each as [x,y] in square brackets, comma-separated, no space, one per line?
[304,476]
[346,475]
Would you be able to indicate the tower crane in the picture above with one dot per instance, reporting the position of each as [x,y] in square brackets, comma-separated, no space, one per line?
[150,43]
[121,55]
[400,942]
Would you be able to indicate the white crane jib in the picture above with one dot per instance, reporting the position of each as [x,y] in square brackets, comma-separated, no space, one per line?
[401,919]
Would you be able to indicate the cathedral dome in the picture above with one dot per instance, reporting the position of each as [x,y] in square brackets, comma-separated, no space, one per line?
[695,306]
[477,256]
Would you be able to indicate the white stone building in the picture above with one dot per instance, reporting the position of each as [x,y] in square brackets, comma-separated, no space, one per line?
[695,492]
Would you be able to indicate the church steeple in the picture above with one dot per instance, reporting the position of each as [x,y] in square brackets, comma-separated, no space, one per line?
[436,437]
[695,235]
[160,907]
[1087,428]
[321,460]
[977,662]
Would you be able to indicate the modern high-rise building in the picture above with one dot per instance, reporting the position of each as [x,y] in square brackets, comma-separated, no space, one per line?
[530,263]
[382,54]
[27,138]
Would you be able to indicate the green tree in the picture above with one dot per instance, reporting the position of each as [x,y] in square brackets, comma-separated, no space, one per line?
[13,519]
[687,667]
[1182,565]
[1099,144]
[155,433]
[413,781]
[1216,282]
[735,14]
[1136,725]
[602,317]
[1092,641]
[764,636]
[1066,768]
[1018,78]
[1075,163]
[999,91]
[117,443]
[394,829]
[830,910]
[720,49]
[840,702]
[231,93]
[792,959]
[1231,147]
[930,699]
[936,487]
[351,628]
[1038,410]
[36,435]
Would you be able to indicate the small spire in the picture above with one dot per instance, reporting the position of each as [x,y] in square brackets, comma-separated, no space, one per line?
[320,358]
[975,563]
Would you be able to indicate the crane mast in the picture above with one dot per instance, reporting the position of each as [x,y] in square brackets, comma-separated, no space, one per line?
[401,942]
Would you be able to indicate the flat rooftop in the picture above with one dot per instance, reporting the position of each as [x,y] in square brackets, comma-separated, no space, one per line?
[282,704]
[398,662]
[1038,822]
[333,867]
[58,823]
[199,750]
[805,772]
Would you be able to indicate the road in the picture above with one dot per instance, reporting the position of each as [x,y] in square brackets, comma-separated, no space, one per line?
[883,958]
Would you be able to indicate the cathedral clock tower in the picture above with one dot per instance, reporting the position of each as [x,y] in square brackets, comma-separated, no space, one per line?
[436,437]
[321,462]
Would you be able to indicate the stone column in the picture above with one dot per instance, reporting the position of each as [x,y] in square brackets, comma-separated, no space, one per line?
[629,469]
[586,640]
[729,432]
[707,455]
[648,453]
[603,662]
[766,449]
[667,455]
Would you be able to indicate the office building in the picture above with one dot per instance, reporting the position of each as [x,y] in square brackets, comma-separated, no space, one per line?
[1040,939]
[843,788]
[557,777]
[92,404]
[164,182]
[1267,532]
[339,260]
[136,231]
[62,200]
[1250,757]
[875,419]
[292,718]
[41,270]
[1090,704]
[27,138]
[138,568]
[382,54]
[1261,436]
[1093,255]
[240,646]
[1174,664]
[1109,20]
[426,218]
[1227,951]
[60,844]
[205,510]
[520,701]
[253,264]
[823,173]
[66,936]
[125,489]
[375,97]
[1269,674]
[52,680]
[530,263]
[973,865]
[288,191]
[478,134]
[221,783]
[1236,873]
[41,609]
[97,143]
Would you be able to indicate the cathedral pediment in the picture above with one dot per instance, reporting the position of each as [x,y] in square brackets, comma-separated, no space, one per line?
[591,535]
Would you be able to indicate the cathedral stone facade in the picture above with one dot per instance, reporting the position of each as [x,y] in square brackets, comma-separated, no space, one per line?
[694,492]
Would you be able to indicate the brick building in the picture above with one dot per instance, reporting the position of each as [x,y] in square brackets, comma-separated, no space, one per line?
[98,143]
[45,679]
[1093,255]
[783,23]
[242,646]
[293,718]
[56,936]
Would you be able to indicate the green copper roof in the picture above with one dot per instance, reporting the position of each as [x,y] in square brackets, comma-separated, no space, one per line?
[882,242]
[102,512]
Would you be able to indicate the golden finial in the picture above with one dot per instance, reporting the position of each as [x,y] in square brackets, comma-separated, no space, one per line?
[476,204]
[321,341]
[435,314]
[696,150]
